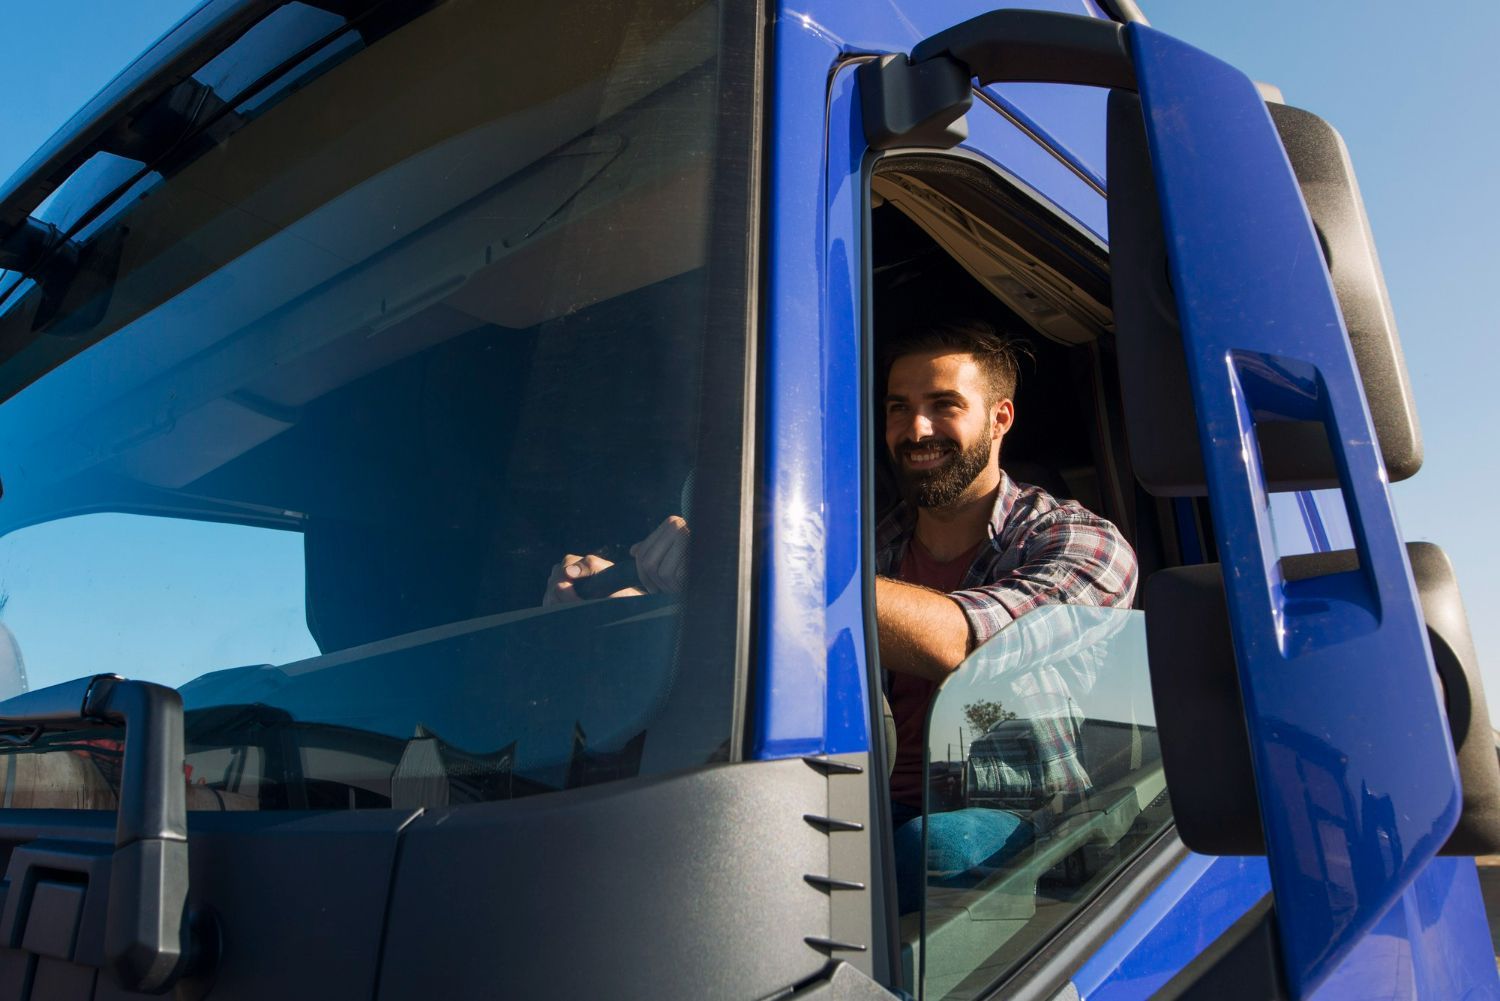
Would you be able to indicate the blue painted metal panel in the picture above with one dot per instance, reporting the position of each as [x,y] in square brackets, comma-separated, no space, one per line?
[1071,119]
[1351,815]
[791,703]
[996,140]
[1068,116]
[811,678]
[1193,906]
[1181,917]
[844,454]
[1435,943]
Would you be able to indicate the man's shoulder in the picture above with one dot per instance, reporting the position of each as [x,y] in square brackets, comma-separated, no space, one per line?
[1091,559]
[1035,516]
[1030,504]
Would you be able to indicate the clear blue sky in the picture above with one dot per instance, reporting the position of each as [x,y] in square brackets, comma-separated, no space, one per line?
[1410,90]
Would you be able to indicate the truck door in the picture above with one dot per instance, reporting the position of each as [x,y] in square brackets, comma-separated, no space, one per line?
[1328,660]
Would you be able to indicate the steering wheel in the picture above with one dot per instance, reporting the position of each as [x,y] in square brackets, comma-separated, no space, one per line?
[609,580]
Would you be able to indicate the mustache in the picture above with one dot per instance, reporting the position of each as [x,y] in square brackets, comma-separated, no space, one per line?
[927,445]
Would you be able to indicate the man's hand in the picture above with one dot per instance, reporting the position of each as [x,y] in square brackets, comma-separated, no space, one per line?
[560,583]
[660,563]
[661,557]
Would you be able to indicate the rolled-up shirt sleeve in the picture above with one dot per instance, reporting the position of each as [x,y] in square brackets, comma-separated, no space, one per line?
[1067,556]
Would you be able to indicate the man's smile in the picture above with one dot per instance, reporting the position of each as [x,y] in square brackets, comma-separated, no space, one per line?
[926,456]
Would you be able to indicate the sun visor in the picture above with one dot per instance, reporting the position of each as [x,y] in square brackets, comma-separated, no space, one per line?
[1160,419]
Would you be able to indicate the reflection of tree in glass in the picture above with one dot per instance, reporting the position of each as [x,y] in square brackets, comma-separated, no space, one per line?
[984,714]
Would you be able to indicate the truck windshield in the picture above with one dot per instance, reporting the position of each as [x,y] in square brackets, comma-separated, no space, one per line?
[339,382]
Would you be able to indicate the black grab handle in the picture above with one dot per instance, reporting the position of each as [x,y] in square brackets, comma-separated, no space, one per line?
[145,928]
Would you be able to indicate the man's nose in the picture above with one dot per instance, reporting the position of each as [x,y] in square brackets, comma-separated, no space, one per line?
[920,427]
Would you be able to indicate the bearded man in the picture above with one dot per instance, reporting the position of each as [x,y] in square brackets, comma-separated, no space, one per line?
[968,550]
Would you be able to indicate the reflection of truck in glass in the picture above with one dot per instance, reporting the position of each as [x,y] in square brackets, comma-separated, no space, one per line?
[328,328]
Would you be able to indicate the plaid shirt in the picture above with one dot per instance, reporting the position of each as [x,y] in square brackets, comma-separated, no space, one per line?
[1042,551]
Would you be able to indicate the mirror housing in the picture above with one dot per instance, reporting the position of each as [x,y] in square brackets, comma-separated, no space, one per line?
[1201,717]
[1161,421]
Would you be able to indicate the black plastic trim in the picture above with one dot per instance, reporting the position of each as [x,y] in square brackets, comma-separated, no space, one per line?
[754,305]
[840,982]
[755,513]
[146,935]
[921,100]
[644,917]
[1036,47]
[887,925]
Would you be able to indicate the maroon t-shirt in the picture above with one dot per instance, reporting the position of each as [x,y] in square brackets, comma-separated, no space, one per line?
[910,695]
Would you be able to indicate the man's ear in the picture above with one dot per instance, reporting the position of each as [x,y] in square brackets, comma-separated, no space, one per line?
[1002,416]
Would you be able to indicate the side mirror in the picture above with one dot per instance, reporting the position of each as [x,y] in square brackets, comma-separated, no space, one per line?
[1160,419]
[1201,717]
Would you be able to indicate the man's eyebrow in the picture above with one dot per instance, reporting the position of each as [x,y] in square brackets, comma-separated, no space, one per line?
[939,394]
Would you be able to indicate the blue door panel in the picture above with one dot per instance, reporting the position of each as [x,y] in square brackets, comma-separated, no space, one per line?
[1184,915]
[1435,943]
[1352,757]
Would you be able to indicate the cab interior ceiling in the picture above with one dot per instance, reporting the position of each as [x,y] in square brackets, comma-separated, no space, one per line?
[949,241]
[482,262]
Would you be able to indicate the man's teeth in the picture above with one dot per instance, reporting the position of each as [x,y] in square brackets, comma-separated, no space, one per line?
[923,456]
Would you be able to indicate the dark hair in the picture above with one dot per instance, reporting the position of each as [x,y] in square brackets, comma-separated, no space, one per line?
[998,355]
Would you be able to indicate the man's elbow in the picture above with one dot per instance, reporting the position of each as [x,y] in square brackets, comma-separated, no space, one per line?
[953,646]
[930,642]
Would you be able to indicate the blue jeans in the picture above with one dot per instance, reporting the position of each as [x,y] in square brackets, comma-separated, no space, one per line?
[958,843]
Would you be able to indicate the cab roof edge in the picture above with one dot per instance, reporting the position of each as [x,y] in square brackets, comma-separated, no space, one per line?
[174,58]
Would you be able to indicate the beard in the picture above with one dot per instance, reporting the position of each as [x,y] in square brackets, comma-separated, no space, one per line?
[941,486]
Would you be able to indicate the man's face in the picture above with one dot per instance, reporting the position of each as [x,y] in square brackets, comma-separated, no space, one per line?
[942,433]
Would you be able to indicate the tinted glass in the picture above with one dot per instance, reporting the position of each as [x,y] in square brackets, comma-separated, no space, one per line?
[329,399]
[1044,777]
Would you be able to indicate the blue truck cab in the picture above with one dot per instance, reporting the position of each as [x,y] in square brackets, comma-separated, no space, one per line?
[332,329]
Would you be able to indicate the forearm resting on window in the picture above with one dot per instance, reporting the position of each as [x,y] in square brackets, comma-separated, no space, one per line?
[922,632]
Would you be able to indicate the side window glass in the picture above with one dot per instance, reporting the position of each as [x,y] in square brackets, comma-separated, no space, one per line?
[1044,776]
